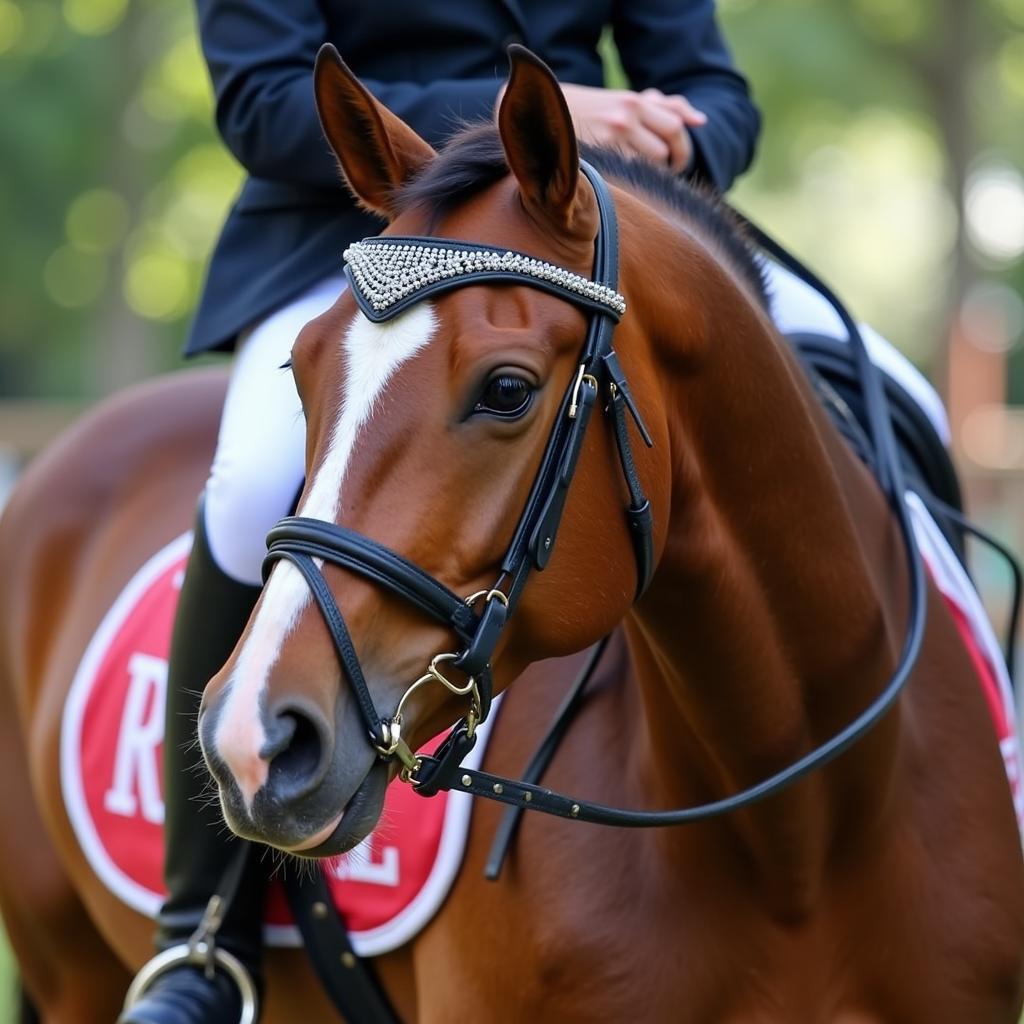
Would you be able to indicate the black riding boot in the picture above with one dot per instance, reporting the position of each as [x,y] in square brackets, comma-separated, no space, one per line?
[212,613]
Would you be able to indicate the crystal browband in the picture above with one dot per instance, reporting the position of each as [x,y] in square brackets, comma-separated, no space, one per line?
[389,274]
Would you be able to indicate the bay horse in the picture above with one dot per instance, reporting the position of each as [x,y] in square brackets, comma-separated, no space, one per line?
[886,886]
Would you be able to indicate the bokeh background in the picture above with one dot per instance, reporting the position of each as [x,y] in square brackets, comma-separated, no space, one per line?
[890,162]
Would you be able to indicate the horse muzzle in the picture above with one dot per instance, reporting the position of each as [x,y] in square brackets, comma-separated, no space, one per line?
[295,779]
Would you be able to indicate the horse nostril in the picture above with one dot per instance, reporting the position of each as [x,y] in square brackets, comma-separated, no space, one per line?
[298,749]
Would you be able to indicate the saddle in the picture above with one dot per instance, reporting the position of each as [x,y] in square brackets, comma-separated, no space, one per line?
[927,464]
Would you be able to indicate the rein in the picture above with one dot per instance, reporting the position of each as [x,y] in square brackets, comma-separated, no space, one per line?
[389,274]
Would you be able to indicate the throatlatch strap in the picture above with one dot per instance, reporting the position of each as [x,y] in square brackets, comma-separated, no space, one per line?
[638,515]
[542,542]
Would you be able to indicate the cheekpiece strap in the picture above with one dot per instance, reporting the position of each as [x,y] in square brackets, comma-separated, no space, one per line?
[389,274]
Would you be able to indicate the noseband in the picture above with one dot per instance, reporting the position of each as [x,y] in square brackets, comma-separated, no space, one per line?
[388,274]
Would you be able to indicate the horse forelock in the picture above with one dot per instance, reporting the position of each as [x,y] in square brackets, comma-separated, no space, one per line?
[474,159]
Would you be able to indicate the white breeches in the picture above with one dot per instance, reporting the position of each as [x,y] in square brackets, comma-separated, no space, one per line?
[259,465]
[260,460]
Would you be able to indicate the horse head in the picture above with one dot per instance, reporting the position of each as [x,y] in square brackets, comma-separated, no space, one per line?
[425,433]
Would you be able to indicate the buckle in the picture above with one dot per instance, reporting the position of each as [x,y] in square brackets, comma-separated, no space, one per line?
[581,376]
[395,746]
[488,595]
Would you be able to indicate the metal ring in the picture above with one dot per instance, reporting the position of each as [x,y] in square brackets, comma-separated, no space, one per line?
[198,957]
[437,674]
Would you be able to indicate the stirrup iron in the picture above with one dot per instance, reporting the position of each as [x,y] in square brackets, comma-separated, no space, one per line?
[200,951]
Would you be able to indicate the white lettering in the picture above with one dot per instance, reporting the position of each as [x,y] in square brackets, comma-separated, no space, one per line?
[366,864]
[137,767]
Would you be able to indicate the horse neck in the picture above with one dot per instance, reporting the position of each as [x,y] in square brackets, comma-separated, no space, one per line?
[763,631]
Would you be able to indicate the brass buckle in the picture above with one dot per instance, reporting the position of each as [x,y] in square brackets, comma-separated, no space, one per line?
[395,746]
[488,595]
[469,690]
[391,744]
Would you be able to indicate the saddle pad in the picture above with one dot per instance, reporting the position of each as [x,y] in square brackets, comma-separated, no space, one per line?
[386,889]
[975,629]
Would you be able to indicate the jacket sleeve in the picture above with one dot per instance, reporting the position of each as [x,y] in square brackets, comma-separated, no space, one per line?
[260,54]
[677,47]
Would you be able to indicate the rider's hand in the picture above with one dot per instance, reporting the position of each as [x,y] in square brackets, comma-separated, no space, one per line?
[647,123]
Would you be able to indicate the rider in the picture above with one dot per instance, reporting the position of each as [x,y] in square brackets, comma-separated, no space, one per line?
[277,266]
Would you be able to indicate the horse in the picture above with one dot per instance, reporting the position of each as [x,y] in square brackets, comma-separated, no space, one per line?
[756,602]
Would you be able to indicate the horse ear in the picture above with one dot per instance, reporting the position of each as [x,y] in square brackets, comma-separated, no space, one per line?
[540,145]
[376,150]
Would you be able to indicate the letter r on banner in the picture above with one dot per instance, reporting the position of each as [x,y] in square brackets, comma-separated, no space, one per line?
[136,766]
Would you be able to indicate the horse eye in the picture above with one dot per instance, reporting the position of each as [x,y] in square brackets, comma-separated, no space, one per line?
[507,395]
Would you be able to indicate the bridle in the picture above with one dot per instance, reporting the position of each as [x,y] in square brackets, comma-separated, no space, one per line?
[388,274]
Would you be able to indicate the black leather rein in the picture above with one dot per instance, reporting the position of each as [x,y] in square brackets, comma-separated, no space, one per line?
[389,274]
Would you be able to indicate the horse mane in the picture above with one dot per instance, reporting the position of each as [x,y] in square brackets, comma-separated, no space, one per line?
[475,159]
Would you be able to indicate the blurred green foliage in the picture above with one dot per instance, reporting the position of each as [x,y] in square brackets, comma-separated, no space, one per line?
[113,184]
[877,114]
[8,991]
[113,188]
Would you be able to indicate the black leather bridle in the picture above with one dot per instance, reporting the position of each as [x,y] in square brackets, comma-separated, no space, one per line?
[301,540]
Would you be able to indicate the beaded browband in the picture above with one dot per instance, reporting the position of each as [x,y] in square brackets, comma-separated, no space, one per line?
[389,274]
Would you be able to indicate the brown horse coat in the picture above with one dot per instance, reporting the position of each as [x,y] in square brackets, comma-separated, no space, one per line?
[886,887]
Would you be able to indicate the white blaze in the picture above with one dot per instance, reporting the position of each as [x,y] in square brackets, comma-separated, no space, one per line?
[373,353]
